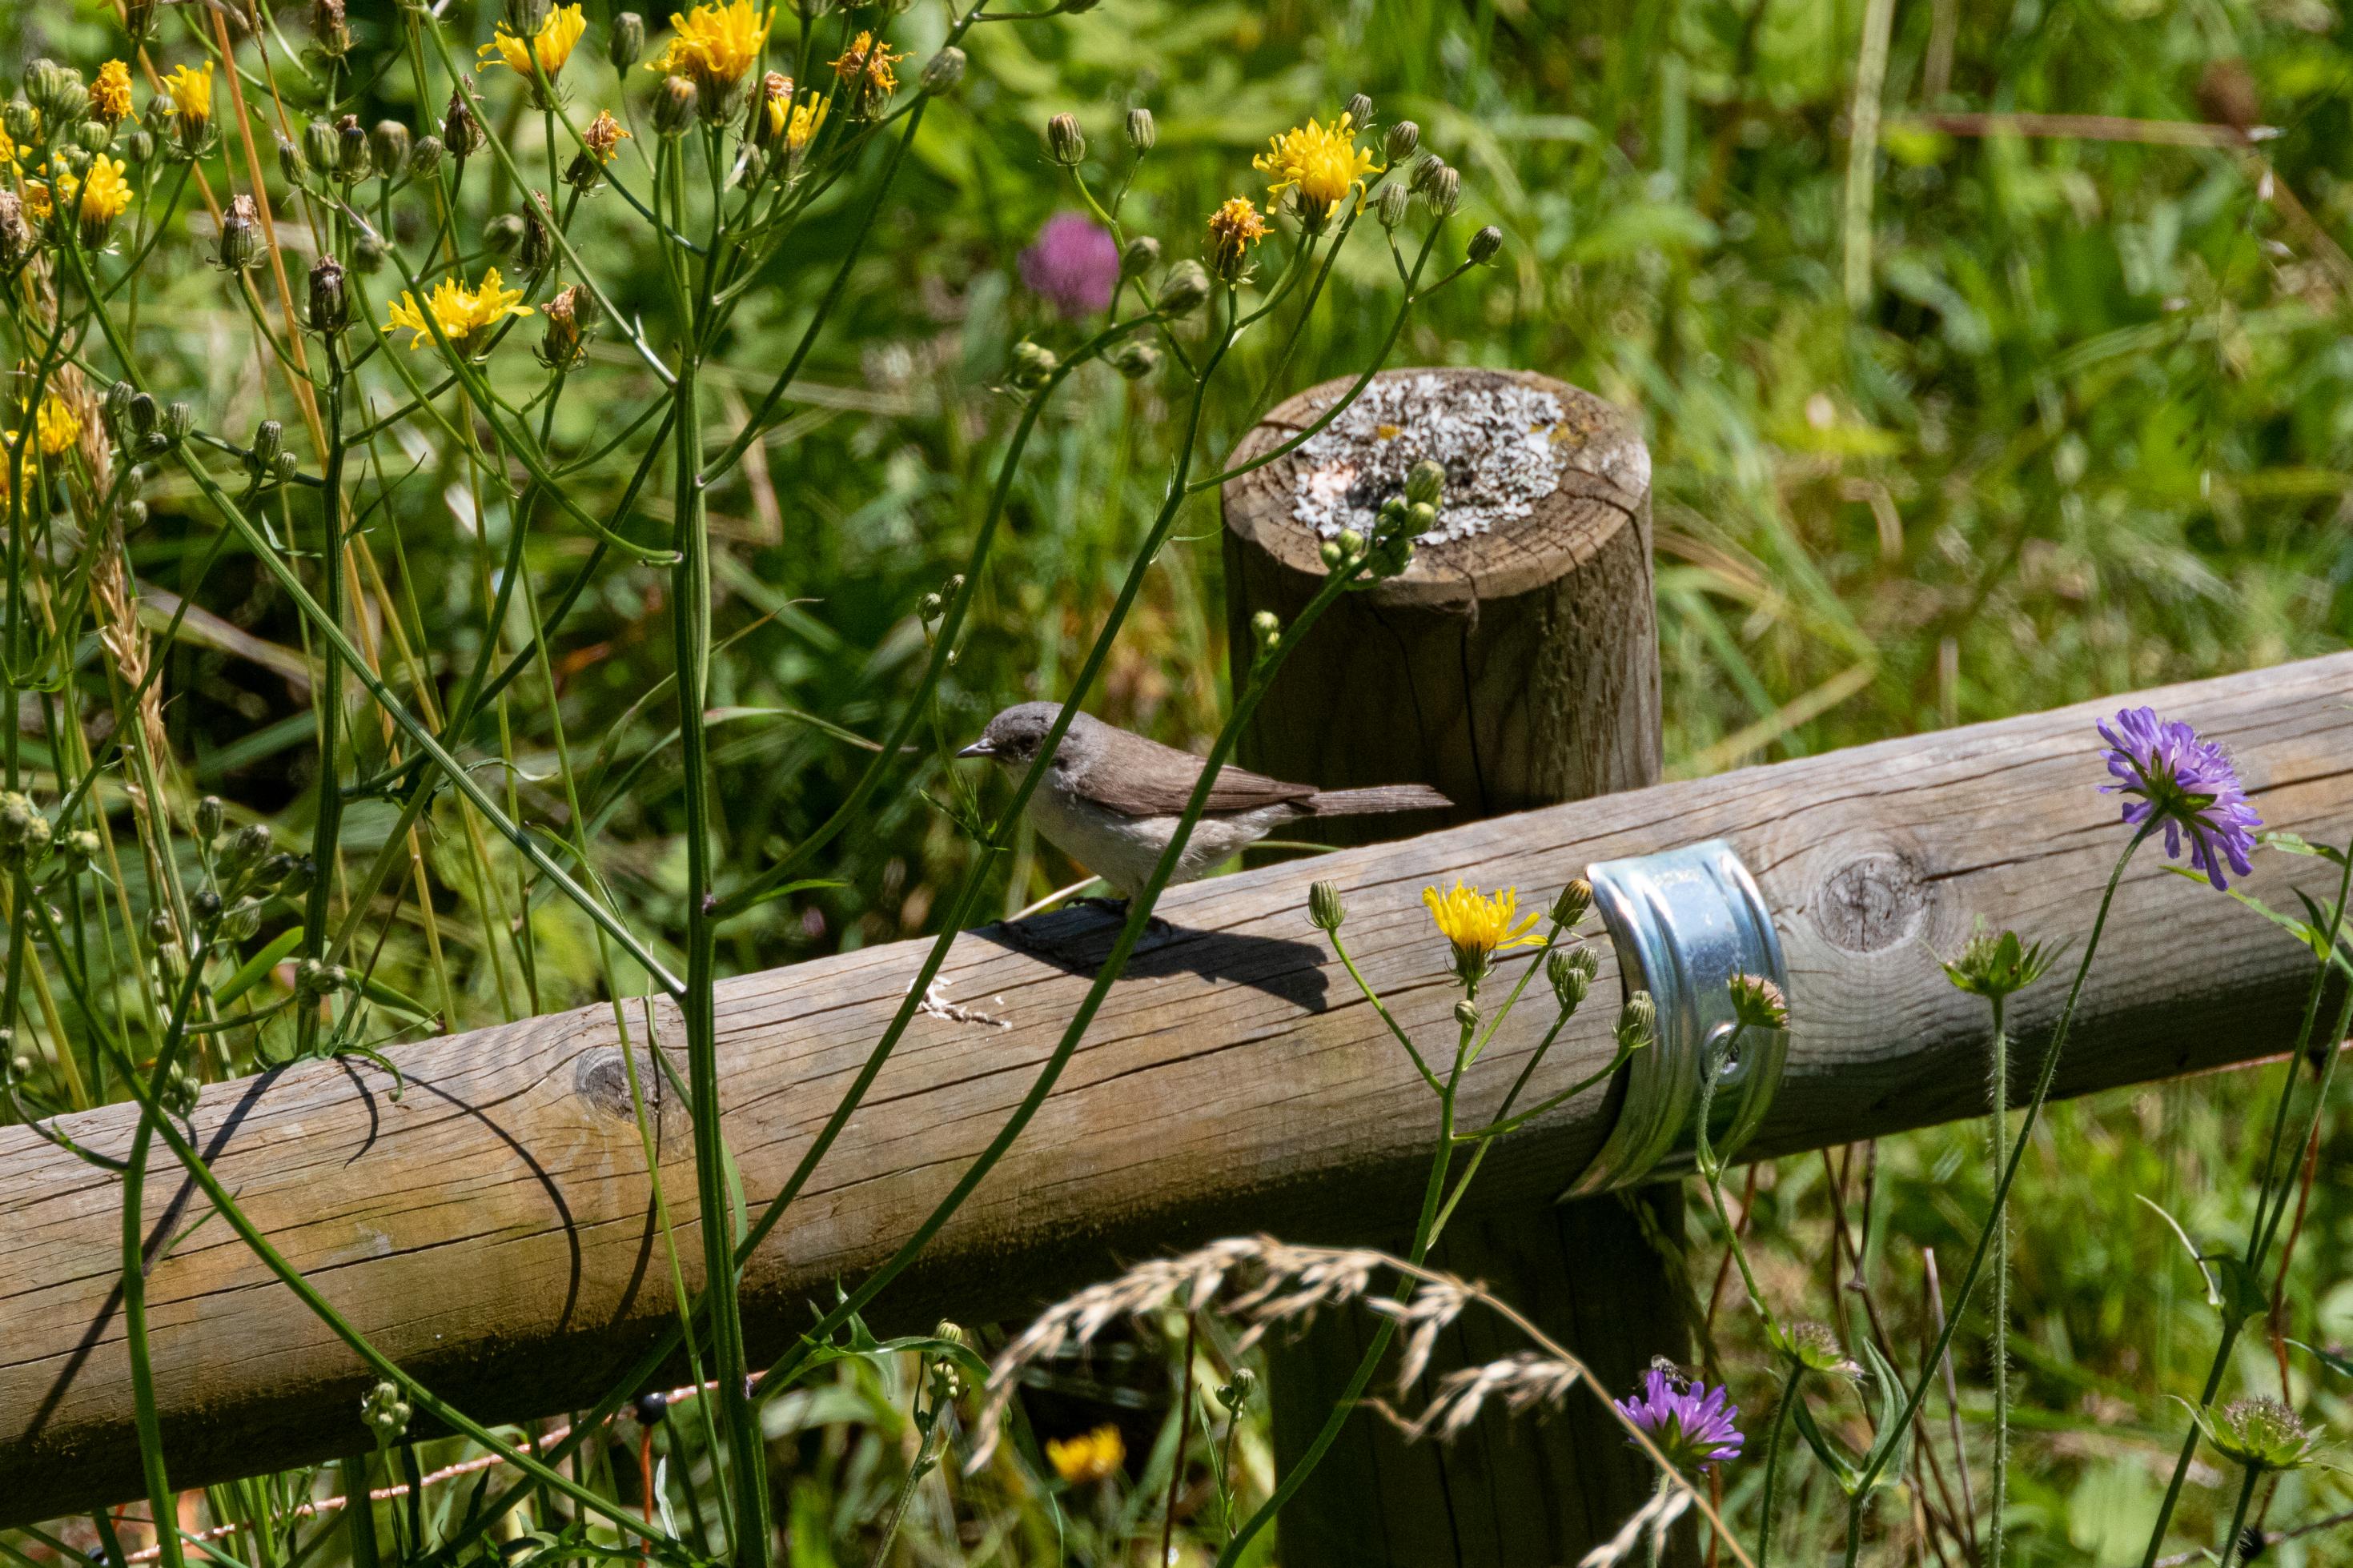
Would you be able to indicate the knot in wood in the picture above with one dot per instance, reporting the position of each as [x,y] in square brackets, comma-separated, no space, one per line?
[1871,903]
[602,1078]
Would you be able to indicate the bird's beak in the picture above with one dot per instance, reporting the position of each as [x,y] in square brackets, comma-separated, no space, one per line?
[978,749]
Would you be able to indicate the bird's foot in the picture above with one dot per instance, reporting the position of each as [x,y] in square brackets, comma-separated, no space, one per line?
[1117,909]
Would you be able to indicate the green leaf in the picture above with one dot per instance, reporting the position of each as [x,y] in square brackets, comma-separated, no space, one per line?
[248,974]
[2337,1361]
[2233,1288]
[789,888]
[1842,1469]
[1890,1440]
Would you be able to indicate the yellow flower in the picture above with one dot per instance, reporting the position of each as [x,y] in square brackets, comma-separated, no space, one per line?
[192,93]
[57,426]
[1234,227]
[10,154]
[109,95]
[866,78]
[553,44]
[1324,164]
[104,195]
[604,136]
[808,118]
[715,45]
[37,205]
[464,315]
[1090,1456]
[1475,924]
[775,109]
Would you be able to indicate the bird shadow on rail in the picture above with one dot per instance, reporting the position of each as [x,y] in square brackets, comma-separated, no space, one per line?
[1077,941]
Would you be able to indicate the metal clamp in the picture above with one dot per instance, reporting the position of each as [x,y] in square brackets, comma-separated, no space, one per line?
[1684,922]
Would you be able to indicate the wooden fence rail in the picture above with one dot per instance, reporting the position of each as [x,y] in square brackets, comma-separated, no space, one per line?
[491,1227]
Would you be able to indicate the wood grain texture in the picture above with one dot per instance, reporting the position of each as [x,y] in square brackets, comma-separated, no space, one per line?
[490,1226]
[1533,649]
[1513,669]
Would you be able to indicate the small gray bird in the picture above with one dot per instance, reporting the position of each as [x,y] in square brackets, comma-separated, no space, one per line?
[1111,800]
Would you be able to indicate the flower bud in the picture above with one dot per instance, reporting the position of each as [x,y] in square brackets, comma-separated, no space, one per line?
[538,246]
[1570,970]
[1323,907]
[314,979]
[179,1095]
[292,165]
[1332,555]
[268,440]
[298,881]
[942,72]
[1425,482]
[241,921]
[93,136]
[1425,169]
[1141,130]
[1065,143]
[1351,543]
[352,161]
[1445,193]
[1135,359]
[21,121]
[1758,1002]
[503,234]
[1637,1022]
[384,1412]
[205,905]
[1267,630]
[1140,257]
[319,145]
[329,307]
[139,146]
[1032,364]
[627,41]
[16,238]
[460,131]
[329,28]
[525,17]
[564,342]
[1466,1014]
[1484,245]
[1400,141]
[1184,289]
[1395,203]
[178,420]
[1359,110]
[273,870]
[57,92]
[24,831]
[674,105]
[79,848]
[1575,901]
[425,157]
[390,146]
[249,846]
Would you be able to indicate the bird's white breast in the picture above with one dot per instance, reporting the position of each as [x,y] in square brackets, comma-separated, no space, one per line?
[1123,849]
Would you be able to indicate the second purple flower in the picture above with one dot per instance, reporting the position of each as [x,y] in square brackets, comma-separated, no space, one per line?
[1074,265]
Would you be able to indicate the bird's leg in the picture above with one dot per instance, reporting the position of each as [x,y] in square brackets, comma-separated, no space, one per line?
[1117,909]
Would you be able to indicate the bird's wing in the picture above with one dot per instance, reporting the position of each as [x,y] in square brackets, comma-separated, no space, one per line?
[1164,791]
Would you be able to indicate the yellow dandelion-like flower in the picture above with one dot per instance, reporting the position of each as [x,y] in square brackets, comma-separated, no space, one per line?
[191,90]
[808,118]
[1234,227]
[552,45]
[464,315]
[604,136]
[109,95]
[776,107]
[10,154]
[38,204]
[104,195]
[1475,924]
[1089,1457]
[714,44]
[867,76]
[1325,164]
[56,426]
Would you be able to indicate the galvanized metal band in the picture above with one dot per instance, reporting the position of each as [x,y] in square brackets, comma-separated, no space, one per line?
[1684,922]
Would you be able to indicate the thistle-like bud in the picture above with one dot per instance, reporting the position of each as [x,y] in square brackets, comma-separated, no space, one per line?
[205,905]
[460,131]
[1575,902]
[565,341]
[1143,132]
[273,870]
[313,978]
[1484,245]
[79,848]
[538,247]
[1359,110]
[390,146]
[1395,201]
[1637,1022]
[1032,364]
[139,409]
[352,161]
[249,846]
[320,146]
[425,157]
[503,234]
[17,239]
[1323,907]
[1402,139]
[943,73]
[21,121]
[1421,518]
[1445,193]
[1135,359]
[56,92]
[329,28]
[179,420]
[24,831]
[1266,630]
[1425,169]
[1351,544]
[1571,970]
[1758,1002]
[268,440]
[1425,482]
[93,136]
[674,104]
[298,881]
[243,920]
[329,307]
[1184,289]
[139,146]
[368,254]
[1466,1014]
[1141,255]
[524,17]
[627,41]
[180,1090]
[385,1413]
[292,165]
[1065,143]
[1814,1347]
[1235,1395]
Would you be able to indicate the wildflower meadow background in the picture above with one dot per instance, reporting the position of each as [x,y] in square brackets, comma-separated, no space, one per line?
[1963,425]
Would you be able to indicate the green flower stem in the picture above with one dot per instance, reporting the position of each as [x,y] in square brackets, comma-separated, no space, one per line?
[1381,1008]
[1711,1171]
[2260,1234]
[2239,1516]
[1997,1342]
[1887,1446]
[1777,1439]
[326,833]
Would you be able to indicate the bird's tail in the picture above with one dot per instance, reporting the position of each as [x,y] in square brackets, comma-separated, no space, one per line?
[1380,797]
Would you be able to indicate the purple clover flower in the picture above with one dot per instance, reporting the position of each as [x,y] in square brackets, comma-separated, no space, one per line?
[1691,1423]
[2185,783]
[1074,265]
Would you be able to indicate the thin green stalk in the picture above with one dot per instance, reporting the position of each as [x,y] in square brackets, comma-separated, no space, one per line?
[326,833]
[1777,1439]
[1997,1340]
[2239,1516]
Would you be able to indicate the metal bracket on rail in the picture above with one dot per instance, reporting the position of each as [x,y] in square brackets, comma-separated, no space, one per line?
[1684,922]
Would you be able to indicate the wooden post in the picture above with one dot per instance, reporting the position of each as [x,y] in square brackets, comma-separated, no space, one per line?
[1512,668]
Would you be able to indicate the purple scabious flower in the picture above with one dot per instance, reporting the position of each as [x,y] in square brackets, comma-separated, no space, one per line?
[2170,775]
[1691,1423]
[1074,265]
